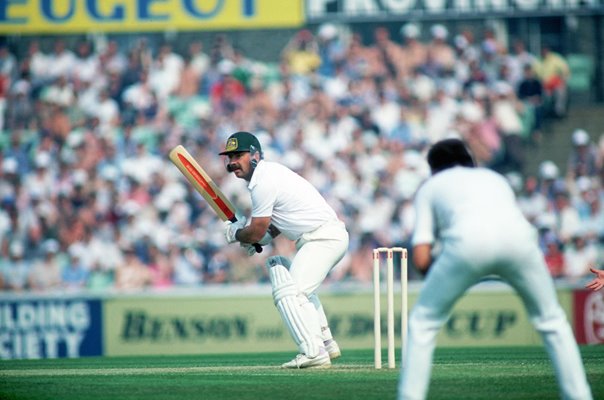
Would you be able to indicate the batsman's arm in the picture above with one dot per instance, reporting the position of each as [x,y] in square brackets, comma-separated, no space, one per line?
[257,246]
[255,231]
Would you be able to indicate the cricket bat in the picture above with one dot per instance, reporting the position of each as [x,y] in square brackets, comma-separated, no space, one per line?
[202,182]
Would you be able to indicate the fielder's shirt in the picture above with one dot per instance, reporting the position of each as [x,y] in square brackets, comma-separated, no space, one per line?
[467,205]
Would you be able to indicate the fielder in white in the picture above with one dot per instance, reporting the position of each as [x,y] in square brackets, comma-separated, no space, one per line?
[473,213]
[284,202]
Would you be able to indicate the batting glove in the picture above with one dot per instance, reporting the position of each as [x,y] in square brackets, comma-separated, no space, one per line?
[249,248]
[231,229]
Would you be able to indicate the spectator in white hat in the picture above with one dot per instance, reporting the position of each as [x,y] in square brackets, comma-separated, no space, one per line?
[15,270]
[42,179]
[583,157]
[439,51]
[414,53]
[549,179]
[332,49]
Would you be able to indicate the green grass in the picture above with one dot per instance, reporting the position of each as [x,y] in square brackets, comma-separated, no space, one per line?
[459,373]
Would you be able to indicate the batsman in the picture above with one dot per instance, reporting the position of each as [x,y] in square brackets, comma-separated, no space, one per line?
[285,203]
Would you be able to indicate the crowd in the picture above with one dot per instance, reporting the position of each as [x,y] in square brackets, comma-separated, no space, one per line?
[89,199]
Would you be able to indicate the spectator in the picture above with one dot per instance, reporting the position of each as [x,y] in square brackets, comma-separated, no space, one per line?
[188,85]
[506,114]
[583,157]
[554,256]
[20,108]
[579,255]
[46,272]
[61,61]
[530,92]
[16,269]
[440,53]
[531,201]
[113,59]
[132,274]
[61,93]
[301,54]
[519,59]
[165,72]
[554,73]
[227,93]
[568,220]
[200,61]
[387,55]
[9,68]
[331,49]
[38,66]
[85,64]
[160,268]
[107,113]
[414,53]
[100,279]
[75,274]
[188,265]
[140,98]
[549,179]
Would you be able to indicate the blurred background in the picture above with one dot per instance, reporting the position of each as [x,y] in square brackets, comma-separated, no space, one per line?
[350,94]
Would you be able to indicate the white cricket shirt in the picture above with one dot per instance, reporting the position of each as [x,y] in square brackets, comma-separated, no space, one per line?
[296,206]
[467,204]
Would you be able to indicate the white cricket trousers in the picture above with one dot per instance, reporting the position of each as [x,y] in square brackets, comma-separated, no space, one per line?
[453,272]
[317,253]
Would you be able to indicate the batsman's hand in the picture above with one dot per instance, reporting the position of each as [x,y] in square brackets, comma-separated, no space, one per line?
[249,248]
[231,228]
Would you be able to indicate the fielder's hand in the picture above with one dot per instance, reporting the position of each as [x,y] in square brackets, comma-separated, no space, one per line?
[598,282]
[231,228]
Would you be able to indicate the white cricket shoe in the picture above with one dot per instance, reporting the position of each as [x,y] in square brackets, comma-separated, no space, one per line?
[332,349]
[303,361]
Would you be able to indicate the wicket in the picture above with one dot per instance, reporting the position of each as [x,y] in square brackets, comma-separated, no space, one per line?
[377,328]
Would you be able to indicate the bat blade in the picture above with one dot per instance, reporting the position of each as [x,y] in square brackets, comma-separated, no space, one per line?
[204,185]
[202,182]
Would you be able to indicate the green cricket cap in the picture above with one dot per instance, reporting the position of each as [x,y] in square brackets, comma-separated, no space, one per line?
[241,141]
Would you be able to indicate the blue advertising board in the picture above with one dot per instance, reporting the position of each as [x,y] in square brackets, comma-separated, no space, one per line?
[50,328]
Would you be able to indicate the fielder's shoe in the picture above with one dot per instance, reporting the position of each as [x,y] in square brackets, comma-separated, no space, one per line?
[332,349]
[303,361]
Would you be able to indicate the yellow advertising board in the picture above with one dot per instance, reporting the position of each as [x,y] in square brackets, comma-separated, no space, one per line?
[77,16]
[204,325]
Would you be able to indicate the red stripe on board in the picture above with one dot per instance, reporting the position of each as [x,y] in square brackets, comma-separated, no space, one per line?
[206,186]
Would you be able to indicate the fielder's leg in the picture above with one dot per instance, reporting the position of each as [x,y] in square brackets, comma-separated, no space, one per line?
[299,316]
[534,285]
[428,315]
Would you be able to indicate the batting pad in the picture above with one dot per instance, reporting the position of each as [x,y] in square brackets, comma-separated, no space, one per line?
[296,310]
[323,323]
